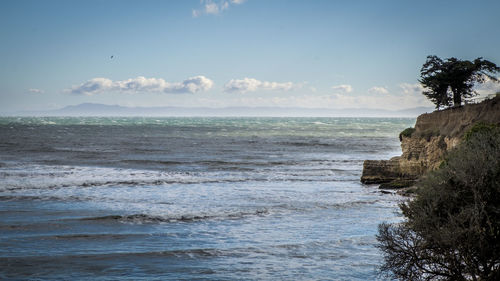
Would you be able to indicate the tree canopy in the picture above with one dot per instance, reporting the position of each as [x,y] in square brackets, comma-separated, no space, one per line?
[452,226]
[451,81]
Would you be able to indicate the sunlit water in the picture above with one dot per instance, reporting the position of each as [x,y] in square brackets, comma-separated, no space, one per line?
[192,198]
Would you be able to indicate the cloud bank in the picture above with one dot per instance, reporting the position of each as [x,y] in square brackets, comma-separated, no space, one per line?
[342,88]
[142,84]
[333,101]
[251,85]
[411,89]
[213,7]
[378,90]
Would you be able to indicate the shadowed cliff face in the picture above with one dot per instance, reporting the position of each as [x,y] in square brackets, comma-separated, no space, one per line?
[435,133]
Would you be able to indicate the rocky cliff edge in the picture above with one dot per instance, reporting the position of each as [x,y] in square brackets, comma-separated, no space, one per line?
[425,145]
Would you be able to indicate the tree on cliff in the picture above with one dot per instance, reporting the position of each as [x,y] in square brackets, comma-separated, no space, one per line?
[452,226]
[449,82]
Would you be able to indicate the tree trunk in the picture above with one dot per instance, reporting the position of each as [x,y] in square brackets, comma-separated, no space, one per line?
[457,99]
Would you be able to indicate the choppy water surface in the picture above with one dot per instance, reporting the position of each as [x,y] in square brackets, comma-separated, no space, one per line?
[192,198]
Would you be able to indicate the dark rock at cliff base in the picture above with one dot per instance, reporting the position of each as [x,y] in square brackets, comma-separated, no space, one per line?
[380,171]
[397,184]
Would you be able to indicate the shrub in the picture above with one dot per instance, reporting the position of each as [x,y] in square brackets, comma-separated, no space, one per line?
[451,229]
[477,128]
[406,133]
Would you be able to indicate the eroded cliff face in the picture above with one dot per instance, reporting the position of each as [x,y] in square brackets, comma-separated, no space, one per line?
[435,133]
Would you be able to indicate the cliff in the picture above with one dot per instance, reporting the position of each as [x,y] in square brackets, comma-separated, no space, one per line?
[425,145]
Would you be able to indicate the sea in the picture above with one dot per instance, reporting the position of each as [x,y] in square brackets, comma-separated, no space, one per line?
[115,198]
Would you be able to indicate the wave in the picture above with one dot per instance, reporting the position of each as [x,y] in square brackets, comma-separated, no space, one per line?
[310,206]
[147,161]
[125,219]
[290,178]
[345,205]
[61,259]
[305,143]
[306,249]
[145,218]
[56,177]
[93,236]
[115,183]
[211,163]
[6,198]
[53,177]
[246,162]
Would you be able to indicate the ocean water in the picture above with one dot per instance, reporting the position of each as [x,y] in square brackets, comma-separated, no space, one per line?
[192,198]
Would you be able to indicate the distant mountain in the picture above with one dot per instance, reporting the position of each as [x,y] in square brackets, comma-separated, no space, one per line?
[93,109]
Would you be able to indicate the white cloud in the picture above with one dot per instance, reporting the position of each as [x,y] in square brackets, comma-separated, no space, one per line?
[142,84]
[378,90]
[489,87]
[251,85]
[36,91]
[342,88]
[93,86]
[193,85]
[214,7]
[411,89]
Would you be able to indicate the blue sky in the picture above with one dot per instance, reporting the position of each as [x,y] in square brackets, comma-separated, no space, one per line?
[329,54]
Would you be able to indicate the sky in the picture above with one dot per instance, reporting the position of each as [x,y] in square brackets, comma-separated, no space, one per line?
[211,53]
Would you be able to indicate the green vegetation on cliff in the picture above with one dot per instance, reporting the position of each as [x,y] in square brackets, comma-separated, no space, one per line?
[452,227]
[406,133]
[479,128]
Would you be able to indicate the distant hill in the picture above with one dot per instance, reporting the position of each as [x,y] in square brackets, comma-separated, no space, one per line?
[93,109]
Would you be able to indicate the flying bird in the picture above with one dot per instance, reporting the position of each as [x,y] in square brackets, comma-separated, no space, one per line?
[112,56]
